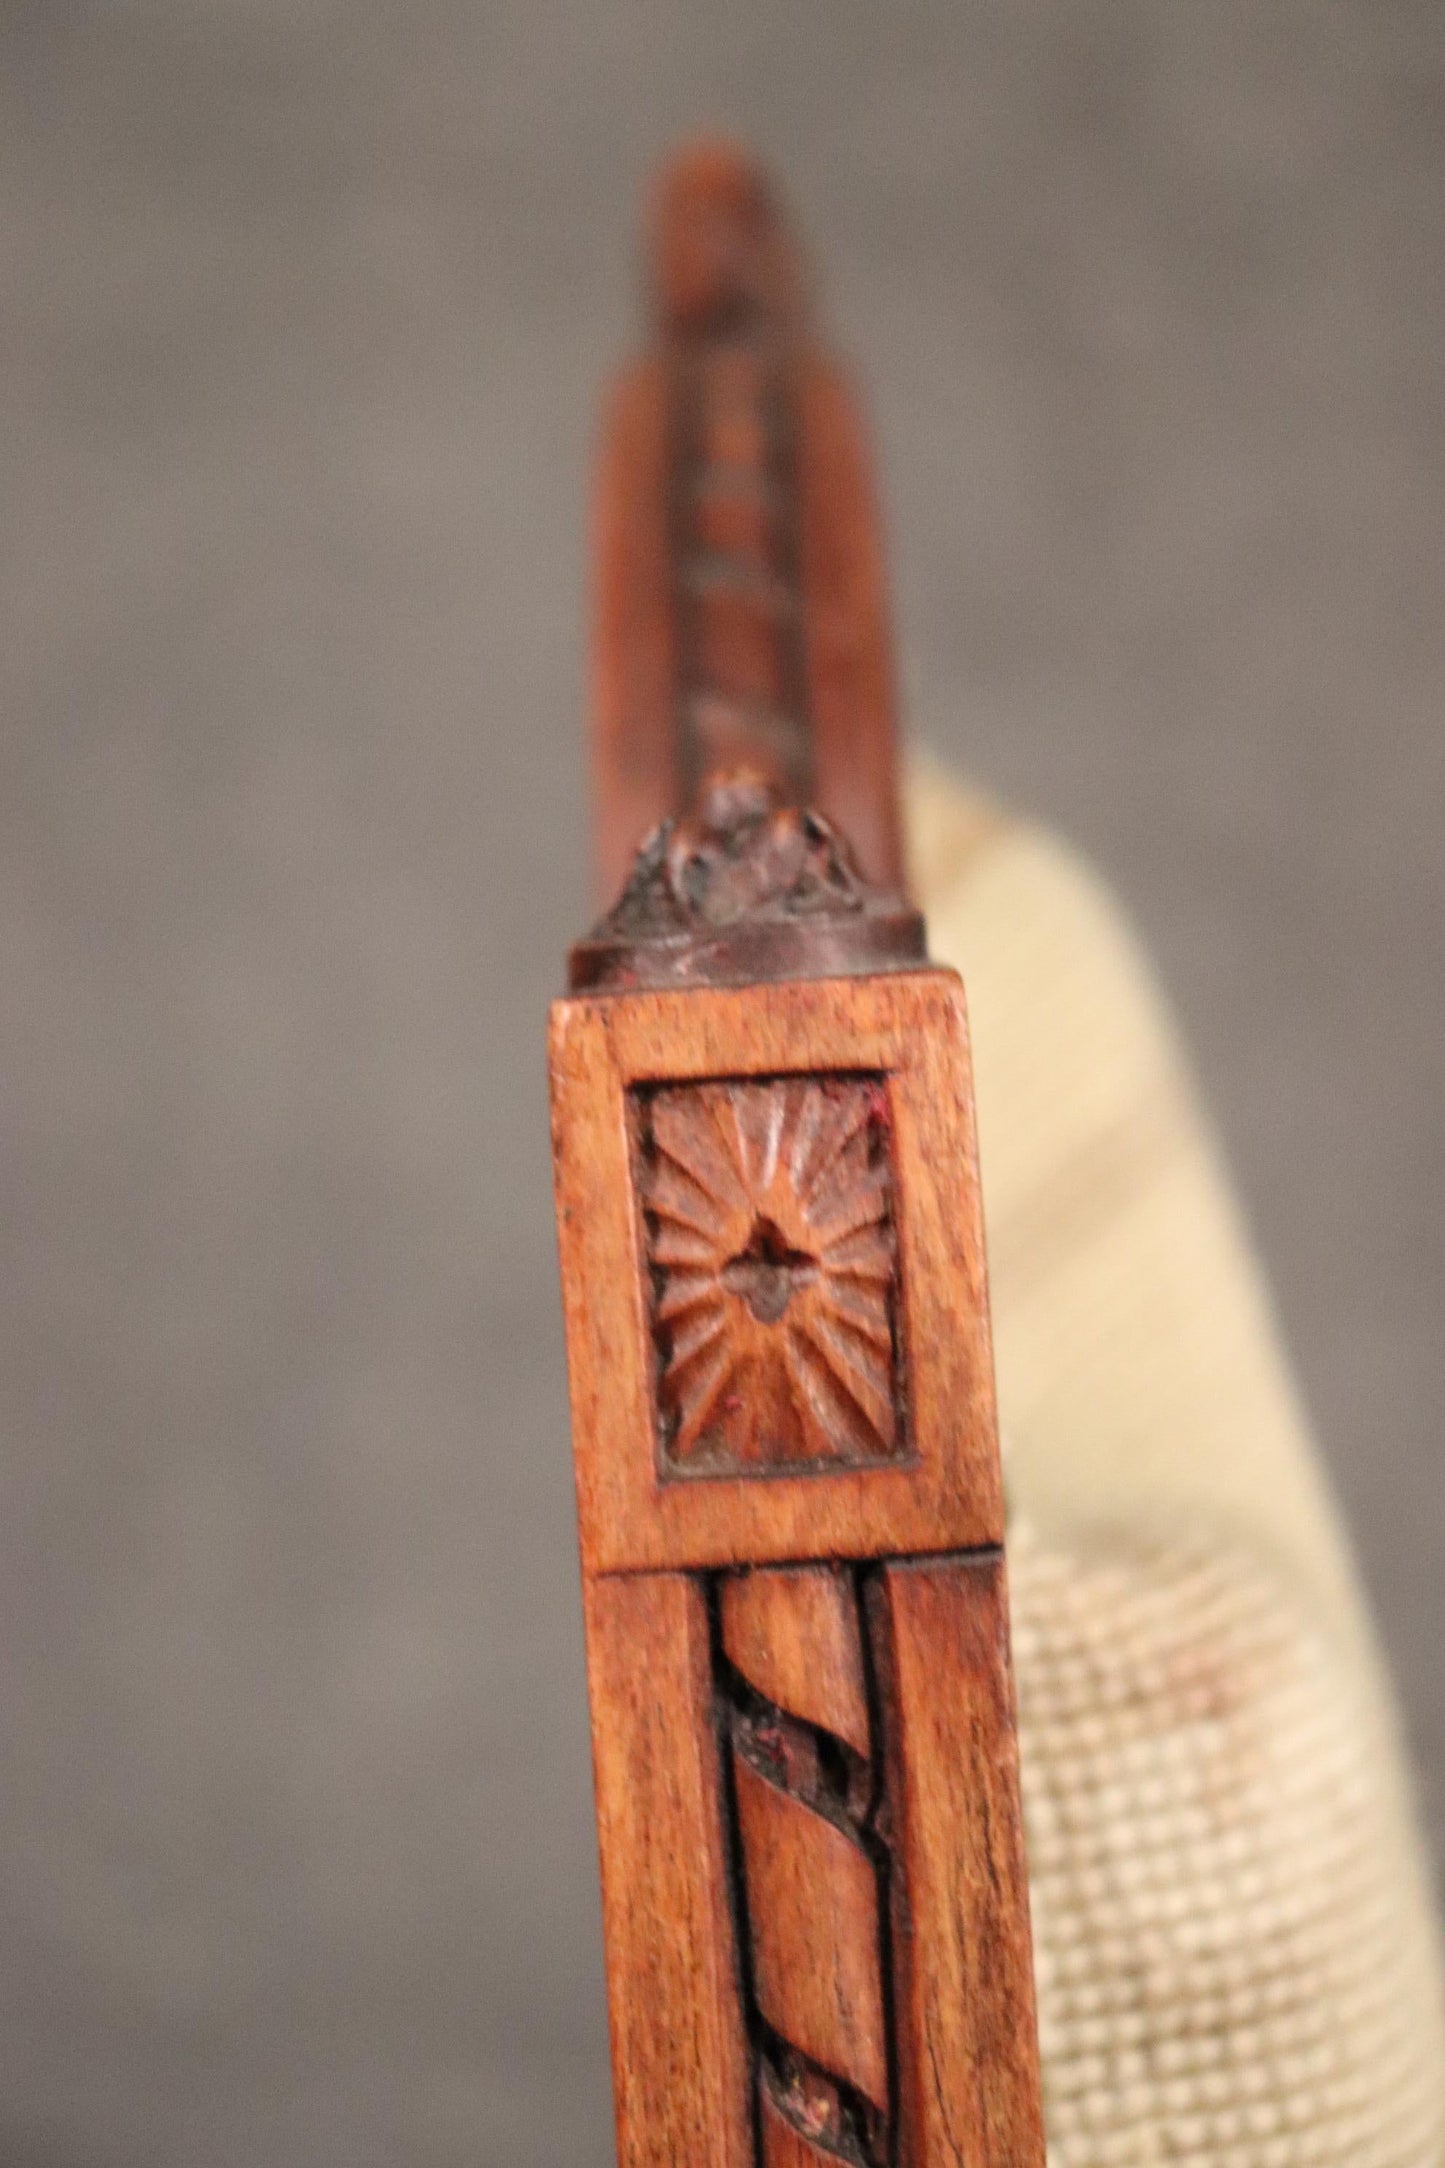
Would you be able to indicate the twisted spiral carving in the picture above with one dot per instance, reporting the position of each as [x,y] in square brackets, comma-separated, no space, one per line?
[813,1864]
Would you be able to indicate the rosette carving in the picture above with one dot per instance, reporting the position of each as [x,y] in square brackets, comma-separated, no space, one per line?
[771,1247]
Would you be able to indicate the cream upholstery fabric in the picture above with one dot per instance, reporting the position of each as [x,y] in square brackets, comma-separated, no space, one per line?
[1236,1954]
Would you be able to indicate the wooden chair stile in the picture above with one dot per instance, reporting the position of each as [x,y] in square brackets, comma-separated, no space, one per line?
[790,1511]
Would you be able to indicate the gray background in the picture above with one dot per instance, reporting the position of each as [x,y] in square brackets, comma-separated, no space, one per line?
[306,311]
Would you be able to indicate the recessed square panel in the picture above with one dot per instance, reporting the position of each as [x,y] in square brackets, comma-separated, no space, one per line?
[777,1318]
[772,1260]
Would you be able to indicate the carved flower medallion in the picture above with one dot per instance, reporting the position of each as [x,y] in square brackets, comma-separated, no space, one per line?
[770,1243]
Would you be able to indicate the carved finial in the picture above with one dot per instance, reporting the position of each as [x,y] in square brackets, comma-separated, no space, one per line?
[745,887]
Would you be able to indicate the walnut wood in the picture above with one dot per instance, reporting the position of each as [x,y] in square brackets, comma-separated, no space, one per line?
[681,2069]
[940,1490]
[744,887]
[788,1487]
[740,615]
[793,1634]
[812,1907]
[636,779]
[768,1206]
[849,658]
[966,2022]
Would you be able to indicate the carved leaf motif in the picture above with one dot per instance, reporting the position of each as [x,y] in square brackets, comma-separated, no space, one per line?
[770,1238]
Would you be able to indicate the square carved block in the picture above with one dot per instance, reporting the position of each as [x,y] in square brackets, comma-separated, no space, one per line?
[772,1268]
[768,1209]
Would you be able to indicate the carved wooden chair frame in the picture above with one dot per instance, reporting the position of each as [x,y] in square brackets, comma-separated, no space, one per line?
[791,1518]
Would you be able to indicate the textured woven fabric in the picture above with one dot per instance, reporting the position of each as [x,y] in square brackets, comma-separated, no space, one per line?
[1236,1955]
[1223,1975]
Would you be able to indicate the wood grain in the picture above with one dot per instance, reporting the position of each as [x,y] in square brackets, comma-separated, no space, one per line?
[636,779]
[967,2032]
[812,1910]
[775,1296]
[681,2069]
[944,1493]
[768,1209]
[740,611]
[793,1633]
[848,653]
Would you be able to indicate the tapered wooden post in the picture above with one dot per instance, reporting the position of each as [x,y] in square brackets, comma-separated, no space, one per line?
[776,1309]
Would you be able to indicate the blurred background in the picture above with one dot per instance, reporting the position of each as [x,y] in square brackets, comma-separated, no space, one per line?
[307,312]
